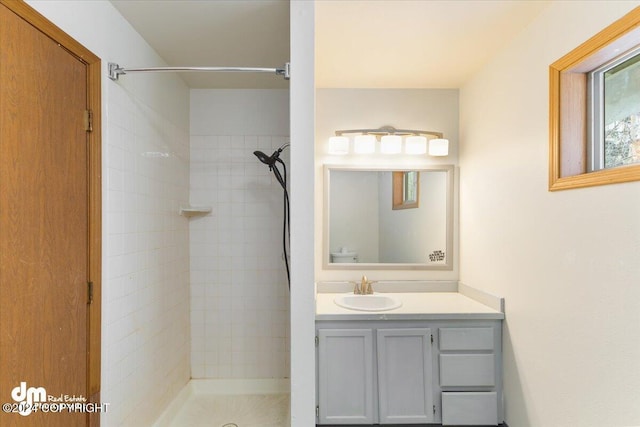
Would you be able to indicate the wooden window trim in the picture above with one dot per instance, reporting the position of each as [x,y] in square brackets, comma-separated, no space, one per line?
[568,107]
[398,201]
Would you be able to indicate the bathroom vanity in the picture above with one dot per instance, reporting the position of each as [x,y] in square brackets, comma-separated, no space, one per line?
[435,359]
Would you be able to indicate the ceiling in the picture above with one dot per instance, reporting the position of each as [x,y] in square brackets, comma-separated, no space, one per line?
[215,33]
[412,44]
[364,43]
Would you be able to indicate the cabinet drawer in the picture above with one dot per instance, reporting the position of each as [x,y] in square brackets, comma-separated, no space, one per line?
[469,408]
[467,370]
[466,338]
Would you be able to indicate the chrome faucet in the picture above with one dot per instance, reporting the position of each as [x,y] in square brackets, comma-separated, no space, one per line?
[364,287]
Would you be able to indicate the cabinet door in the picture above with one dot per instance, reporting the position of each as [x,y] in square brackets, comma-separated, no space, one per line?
[405,386]
[345,376]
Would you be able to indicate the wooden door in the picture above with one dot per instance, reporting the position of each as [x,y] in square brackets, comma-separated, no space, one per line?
[47,222]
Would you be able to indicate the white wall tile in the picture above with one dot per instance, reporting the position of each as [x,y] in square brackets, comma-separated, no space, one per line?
[240,112]
[244,299]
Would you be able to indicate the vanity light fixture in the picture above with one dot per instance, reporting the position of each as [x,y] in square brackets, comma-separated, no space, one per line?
[415,144]
[391,144]
[391,141]
[439,147]
[339,145]
[362,144]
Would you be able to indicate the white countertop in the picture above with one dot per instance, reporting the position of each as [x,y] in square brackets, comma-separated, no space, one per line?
[415,305]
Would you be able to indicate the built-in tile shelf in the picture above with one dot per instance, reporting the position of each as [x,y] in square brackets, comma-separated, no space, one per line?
[192,211]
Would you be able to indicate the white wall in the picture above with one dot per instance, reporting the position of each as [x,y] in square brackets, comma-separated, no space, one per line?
[354,214]
[302,87]
[145,311]
[566,262]
[339,109]
[239,295]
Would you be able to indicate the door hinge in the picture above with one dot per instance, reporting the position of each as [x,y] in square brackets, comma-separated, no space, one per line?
[88,120]
[89,292]
[317,341]
[317,412]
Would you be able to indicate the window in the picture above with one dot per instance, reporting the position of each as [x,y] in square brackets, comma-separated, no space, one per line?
[615,113]
[406,190]
[594,109]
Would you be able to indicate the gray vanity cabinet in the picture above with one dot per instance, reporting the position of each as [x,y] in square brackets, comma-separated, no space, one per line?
[409,372]
[345,372]
[398,391]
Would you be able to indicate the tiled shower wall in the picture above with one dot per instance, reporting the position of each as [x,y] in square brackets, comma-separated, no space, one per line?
[239,293]
[146,288]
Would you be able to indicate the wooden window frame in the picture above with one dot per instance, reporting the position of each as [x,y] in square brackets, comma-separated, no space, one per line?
[568,112]
[398,198]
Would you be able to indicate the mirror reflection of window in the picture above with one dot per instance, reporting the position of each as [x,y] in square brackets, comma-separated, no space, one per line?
[406,190]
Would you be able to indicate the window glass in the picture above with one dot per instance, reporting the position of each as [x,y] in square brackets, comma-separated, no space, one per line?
[411,186]
[621,125]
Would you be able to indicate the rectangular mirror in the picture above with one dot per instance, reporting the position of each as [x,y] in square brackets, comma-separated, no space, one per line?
[377,218]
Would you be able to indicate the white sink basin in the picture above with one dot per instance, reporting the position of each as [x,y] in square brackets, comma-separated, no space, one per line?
[375,302]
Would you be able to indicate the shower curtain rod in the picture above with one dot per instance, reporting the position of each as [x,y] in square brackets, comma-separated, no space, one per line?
[115,70]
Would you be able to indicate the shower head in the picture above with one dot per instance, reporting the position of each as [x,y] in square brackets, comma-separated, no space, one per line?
[267,160]
[273,158]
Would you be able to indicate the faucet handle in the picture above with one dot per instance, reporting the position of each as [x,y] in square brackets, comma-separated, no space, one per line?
[369,287]
[356,288]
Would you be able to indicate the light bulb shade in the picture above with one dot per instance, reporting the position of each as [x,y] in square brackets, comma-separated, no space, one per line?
[391,144]
[415,145]
[439,147]
[338,145]
[364,144]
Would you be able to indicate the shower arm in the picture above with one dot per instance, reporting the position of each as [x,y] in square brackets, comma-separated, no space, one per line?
[115,70]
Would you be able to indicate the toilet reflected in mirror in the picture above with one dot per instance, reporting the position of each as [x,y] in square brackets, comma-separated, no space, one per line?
[344,256]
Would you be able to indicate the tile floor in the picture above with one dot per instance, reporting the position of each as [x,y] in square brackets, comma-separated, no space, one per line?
[214,410]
